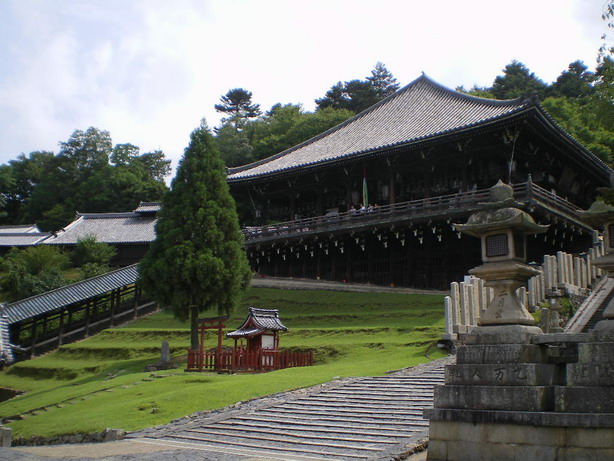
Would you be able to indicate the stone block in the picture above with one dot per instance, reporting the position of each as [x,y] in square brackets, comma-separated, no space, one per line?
[443,430]
[6,436]
[590,374]
[512,398]
[584,399]
[502,334]
[525,434]
[585,454]
[437,450]
[602,437]
[501,353]
[520,374]
[596,352]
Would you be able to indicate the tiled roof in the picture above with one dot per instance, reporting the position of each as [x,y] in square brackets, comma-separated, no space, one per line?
[148,207]
[20,229]
[115,228]
[22,239]
[69,294]
[421,110]
[258,321]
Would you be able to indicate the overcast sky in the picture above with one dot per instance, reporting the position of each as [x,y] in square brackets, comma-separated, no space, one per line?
[148,70]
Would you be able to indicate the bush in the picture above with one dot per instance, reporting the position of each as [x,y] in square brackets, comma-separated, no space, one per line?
[32,271]
[90,251]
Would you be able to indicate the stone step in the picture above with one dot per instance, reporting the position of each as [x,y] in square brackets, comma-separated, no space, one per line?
[375,405]
[339,450]
[375,399]
[288,425]
[287,435]
[361,419]
[250,452]
[415,421]
[363,414]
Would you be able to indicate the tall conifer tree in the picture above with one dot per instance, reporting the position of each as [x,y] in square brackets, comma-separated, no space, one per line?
[197,261]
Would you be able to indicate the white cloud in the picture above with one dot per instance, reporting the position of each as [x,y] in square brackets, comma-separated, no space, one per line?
[149,70]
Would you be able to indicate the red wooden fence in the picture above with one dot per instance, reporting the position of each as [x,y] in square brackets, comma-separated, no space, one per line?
[261,360]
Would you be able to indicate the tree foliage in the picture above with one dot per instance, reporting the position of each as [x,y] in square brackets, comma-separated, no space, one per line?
[358,95]
[197,262]
[88,174]
[383,81]
[32,271]
[581,101]
[517,81]
[281,128]
[89,251]
[238,105]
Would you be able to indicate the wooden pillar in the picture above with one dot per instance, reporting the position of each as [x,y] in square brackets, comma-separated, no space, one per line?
[201,348]
[348,267]
[392,193]
[332,254]
[114,300]
[292,208]
[137,292]
[61,329]
[218,353]
[33,338]
[87,318]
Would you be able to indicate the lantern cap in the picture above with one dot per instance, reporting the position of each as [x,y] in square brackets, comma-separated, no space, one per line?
[598,214]
[501,213]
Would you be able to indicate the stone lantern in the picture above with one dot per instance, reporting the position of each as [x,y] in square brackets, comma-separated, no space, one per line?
[601,216]
[503,228]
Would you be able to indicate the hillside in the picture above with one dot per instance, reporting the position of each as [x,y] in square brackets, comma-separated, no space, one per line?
[99,382]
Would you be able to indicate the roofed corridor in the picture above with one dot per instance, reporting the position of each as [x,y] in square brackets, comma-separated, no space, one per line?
[404,212]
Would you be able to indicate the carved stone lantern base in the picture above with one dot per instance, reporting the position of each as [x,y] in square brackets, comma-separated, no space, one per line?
[505,278]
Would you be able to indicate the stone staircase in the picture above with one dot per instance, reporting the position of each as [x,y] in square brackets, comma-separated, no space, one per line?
[591,310]
[353,419]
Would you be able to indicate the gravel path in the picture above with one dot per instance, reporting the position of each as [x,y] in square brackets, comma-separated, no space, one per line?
[309,284]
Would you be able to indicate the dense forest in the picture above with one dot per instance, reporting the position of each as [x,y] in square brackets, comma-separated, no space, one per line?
[91,174]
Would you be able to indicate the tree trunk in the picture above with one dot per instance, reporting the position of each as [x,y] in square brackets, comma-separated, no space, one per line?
[194,328]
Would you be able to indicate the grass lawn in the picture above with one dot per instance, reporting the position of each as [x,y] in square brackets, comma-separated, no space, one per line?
[99,382]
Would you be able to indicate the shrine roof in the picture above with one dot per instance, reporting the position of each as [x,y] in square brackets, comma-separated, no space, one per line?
[20,229]
[22,239]
[421,110]
[70,294]
[148,207]
[113,228]
[258,321]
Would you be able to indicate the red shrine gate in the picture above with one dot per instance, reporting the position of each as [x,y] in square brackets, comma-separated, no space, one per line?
[256,346]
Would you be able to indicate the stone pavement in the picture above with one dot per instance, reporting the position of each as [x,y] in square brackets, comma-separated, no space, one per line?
[369,418]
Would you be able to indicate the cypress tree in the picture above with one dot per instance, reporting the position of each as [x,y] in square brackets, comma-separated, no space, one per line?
[197,262]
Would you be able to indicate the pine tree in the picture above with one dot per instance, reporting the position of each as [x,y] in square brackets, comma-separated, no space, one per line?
[237,103]
[197,262]
[383,81]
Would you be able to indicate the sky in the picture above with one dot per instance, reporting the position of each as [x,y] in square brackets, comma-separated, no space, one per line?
[148,71]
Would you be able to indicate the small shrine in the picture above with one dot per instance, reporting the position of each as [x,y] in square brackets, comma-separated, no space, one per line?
[260,330]
[256,346]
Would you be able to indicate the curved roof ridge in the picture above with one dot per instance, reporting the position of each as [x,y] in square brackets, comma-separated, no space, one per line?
[330,130]
[421,109]
[495,102]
